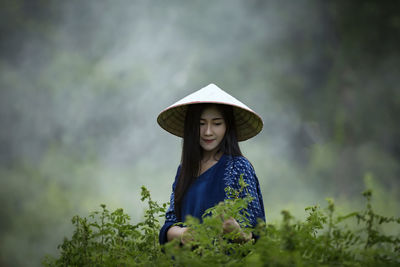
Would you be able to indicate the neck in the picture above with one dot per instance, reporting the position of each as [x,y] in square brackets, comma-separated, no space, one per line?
[211,155]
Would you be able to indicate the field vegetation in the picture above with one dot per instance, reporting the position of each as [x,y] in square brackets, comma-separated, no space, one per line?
[106,238]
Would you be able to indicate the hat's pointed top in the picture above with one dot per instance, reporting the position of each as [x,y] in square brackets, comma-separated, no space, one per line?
[210,94]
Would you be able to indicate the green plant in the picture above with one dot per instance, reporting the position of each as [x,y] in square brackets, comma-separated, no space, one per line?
[108,239]
[323,239]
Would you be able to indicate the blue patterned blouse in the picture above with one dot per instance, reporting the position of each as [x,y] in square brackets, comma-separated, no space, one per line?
[209,189]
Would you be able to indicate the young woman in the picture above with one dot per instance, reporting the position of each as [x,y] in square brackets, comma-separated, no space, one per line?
[211,123]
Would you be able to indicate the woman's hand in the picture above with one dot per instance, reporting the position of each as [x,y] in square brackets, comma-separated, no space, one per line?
[183,234]
[231,225]
[186,236]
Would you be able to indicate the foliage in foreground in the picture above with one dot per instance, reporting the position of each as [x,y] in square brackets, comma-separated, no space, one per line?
[108,239]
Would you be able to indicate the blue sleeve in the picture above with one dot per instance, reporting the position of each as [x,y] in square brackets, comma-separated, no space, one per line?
[170,216]
[255,209]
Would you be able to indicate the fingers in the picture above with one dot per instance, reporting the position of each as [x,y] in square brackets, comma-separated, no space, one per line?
[186,236]
[230,225]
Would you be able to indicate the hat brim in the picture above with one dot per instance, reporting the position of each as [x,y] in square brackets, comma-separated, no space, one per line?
[248,123]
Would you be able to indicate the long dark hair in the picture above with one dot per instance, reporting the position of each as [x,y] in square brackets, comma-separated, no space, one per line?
[192,153]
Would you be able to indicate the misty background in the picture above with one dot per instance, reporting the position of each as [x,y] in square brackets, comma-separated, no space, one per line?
[82,83]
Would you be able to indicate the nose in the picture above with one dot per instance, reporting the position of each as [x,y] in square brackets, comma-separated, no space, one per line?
[208,129]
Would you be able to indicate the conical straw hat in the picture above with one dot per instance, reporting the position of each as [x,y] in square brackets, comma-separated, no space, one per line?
[248,123]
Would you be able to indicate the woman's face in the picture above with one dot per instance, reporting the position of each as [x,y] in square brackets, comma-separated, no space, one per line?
[212,129]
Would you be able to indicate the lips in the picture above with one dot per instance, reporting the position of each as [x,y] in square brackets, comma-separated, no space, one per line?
[208,141]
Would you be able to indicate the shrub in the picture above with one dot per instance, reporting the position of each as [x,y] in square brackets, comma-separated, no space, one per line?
[107,238]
